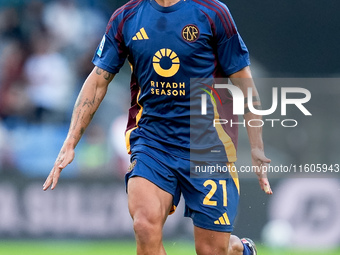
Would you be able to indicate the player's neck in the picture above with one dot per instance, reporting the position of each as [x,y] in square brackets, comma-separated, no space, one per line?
[167,3]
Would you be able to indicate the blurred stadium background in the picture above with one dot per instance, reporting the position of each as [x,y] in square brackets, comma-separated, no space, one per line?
[45,54]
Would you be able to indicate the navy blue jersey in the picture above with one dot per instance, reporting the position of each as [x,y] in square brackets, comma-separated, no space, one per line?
[166,47]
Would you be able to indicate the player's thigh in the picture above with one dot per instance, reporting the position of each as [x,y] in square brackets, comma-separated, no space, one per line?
[153,189]
[147,201]
[211,242]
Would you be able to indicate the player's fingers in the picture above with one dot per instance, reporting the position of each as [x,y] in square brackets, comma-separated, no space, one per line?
[48,181]
[47,184]
[61,162]
[261,170]
[58,167]
[259,156]
[267,189]
[265,186]
[55,177]
[51,177]
[264,160]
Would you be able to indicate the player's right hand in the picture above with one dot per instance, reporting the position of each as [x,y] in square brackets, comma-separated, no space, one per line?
[259,160]
[64,158]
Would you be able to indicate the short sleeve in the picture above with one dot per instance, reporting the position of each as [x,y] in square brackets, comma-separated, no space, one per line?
[232,52]
[111,52]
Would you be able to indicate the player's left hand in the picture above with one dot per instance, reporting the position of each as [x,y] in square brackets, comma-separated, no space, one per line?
[65,157]
[259,160]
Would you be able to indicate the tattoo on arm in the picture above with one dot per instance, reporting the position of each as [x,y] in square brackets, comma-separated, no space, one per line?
[107,76]
[257,106]
[88,103]
[85,107]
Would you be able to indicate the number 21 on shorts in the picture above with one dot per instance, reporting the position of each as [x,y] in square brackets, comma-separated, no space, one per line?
[207,200]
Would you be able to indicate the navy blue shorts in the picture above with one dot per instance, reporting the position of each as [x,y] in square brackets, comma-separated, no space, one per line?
[211,203]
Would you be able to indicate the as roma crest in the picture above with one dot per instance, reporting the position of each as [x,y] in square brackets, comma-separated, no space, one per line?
[190,33]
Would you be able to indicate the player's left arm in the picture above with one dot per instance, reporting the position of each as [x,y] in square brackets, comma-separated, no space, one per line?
[243,79]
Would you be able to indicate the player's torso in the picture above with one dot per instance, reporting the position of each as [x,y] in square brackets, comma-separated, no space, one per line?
[167,47]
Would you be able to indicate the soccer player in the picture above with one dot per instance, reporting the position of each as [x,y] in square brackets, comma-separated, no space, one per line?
[167,42]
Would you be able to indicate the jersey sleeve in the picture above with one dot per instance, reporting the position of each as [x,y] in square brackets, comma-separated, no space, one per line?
[111,52]
[232,52]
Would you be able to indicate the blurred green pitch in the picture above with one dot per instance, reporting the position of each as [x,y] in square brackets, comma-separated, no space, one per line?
[119,248]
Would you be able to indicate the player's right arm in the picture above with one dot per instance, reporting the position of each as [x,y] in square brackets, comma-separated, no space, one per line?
[88,101]
[243,79]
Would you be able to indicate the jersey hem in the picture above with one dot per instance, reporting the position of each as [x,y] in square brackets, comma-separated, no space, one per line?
[238,68]
[98,63]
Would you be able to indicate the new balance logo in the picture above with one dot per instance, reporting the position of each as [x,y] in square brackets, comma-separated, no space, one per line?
[141,35]
[223,220]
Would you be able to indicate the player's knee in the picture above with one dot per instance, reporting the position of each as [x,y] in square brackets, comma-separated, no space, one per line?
[146,229]
[204,248]
[235,248]
[235,245]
